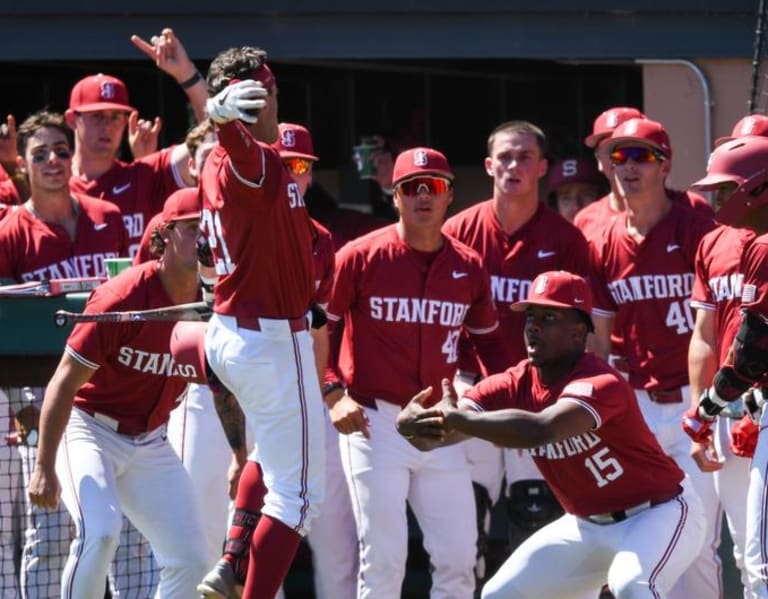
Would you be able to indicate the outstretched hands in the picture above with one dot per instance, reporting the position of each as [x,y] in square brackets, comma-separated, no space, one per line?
[426,428]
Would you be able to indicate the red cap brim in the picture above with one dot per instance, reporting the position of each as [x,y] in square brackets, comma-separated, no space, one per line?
[96,106]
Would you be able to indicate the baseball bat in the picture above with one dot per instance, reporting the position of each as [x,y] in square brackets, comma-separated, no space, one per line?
[195,311]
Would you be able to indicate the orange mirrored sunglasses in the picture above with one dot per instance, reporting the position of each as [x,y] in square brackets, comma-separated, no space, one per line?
[431,185]
[297,166]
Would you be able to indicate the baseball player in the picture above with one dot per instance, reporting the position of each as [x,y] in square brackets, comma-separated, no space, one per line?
[643,271]
[735,172]
[592,218]
[54,234]
[257,341]
[631,516]
[103,444]
[13,185]
[99,110]
[518,237]
[572,184]
[406,292]
[374,159]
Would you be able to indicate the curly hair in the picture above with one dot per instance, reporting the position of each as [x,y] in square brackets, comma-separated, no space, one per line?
[156,243]
[234,63]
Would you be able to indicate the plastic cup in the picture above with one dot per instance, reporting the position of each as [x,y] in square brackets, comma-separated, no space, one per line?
[115,266]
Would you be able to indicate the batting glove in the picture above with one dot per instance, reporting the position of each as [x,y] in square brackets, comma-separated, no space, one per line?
[239,101]
[744,437]
[696,426]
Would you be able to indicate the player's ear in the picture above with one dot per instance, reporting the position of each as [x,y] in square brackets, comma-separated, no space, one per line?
[69,117]
[543,167]
[488,163]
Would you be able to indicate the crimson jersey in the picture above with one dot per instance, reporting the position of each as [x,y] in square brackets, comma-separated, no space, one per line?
[403,313]
[8,193]
[647,287]
[138,188]
[546,242]
[258,228]
[33,250]
[718,283]
[323,263]
[594,217]
[616,465]
[135,379]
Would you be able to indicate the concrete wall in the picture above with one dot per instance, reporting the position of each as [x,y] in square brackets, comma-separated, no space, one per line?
[674,95]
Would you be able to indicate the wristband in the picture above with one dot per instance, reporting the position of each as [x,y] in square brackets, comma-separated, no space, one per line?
[331,387]
[191,81]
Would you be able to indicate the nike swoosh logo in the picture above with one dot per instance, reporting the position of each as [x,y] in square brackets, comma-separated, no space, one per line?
[671,247]
[459,275]
[576,300]
[545,254]
[99,226]
[117,190]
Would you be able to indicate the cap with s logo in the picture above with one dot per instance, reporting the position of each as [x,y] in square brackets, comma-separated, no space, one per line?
[294,141]
[753,124]
[418,162]
[99,92]
[558,289]
[607,121]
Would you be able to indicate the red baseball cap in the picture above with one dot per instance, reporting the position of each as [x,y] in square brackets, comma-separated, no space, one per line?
[99,92]
[607,121]
[651,133]
[182,204]
[752,124]
[294,141]
[574,170]
[420,161]
[558,289]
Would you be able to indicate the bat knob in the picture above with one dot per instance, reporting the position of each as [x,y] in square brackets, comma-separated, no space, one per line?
[60,320]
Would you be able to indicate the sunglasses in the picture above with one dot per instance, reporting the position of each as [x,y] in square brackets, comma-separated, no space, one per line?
[430,185]
[297,166]
[42,155]
[639,155]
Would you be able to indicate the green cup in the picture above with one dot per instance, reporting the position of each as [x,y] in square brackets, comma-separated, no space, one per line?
[364,153]
[115,266]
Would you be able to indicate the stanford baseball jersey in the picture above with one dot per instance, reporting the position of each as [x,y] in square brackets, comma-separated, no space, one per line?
[323,263]
[754,266]
[647,286]
[409,306]
[32,249]
[138,188]
[258,228]
[594,217]
[718,283]
[616,465]
[546,242]
[135,380]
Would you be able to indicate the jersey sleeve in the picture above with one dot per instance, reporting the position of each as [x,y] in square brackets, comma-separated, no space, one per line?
[163,175]
[701,295]
[496,392]
[602,396]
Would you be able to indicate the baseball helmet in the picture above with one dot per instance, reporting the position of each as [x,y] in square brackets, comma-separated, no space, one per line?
[607,121]
[743,161]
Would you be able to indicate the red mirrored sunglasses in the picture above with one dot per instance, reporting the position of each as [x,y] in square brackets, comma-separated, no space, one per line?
[431,185]
[297,166]
[637,154]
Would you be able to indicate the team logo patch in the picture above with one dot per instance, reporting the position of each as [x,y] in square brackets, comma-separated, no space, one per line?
[748,294]
[579,388]
[632,127]
[420,158]
[288,139]
[570,168]
[541,285]
[107,90]
[612,119]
